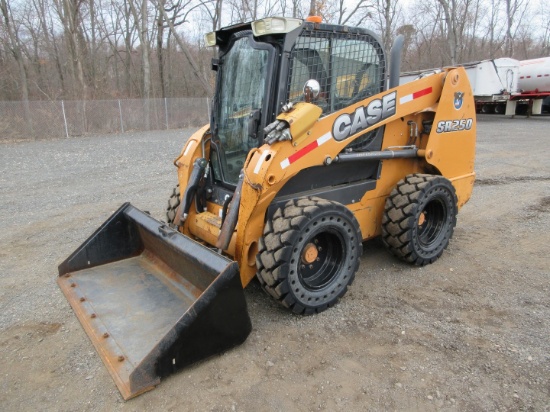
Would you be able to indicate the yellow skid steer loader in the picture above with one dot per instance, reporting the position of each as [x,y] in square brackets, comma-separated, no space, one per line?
[312,148]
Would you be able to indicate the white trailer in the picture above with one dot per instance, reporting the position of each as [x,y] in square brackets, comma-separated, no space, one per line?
[534,75]
[493,82]
[500,84]
[534,85]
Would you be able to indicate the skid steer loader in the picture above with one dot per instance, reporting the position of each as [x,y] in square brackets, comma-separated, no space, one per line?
[309,152]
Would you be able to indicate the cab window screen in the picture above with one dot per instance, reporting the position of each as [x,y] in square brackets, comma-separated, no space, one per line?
[349,68]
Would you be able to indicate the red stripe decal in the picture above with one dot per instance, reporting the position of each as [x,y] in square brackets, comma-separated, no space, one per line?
[303,152]
[421,93]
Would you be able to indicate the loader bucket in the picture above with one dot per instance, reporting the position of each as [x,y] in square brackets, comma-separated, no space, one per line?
[152,300]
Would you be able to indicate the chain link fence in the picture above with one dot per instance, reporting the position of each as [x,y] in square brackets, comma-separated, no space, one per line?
[66,118]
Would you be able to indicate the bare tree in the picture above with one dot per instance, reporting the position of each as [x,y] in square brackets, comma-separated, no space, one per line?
[457,16]
[449,10]
[69,12]
[141,20]
[345,13]
[160,53]
[14,45]
[196,70]
[84,49]
[544,14]
[213,9]
[409,32]
[387,13]
[515,11]
[45,20]
[494,29]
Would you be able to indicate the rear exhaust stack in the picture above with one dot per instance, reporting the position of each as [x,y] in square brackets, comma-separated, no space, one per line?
[395,61]
[152,300]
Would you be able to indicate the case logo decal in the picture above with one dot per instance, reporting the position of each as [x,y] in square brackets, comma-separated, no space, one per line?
[347,125]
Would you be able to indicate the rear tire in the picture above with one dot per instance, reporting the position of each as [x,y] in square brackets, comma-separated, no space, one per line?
[419,218]
[309,254]
[173,204]
[487,109]
[500,108]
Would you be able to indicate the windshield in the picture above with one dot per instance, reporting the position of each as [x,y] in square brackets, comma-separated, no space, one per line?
[241,93]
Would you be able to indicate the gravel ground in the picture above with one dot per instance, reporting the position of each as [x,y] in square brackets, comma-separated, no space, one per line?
[467,333]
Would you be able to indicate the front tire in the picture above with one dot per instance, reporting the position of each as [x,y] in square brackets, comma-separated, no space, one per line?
[419,218]
[309,254]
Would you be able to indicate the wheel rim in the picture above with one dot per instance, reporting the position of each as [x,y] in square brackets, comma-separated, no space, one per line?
[431,221]
[329,250]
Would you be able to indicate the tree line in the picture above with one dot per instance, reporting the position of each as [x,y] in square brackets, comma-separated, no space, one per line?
[104,49]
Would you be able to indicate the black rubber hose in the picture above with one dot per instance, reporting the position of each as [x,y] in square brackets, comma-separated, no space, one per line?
[225,206]
[199,167]
[232,216]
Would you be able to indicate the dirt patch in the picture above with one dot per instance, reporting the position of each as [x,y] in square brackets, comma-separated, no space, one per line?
[542,206]
[12,337]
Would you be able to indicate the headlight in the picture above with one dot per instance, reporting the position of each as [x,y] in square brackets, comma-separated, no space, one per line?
[275,25]
[210,38]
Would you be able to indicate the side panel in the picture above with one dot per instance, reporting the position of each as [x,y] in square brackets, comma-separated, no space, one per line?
[451,146]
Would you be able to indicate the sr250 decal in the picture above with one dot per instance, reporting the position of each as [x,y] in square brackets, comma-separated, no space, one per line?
[445,126]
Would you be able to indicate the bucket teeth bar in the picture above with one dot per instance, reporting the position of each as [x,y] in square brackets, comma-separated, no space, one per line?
[152,300]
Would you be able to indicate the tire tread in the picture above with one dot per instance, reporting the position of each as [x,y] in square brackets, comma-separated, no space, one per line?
[399,220]
[275,248]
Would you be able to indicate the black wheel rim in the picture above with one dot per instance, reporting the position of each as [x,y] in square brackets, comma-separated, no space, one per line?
[431,221]
[318,274]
